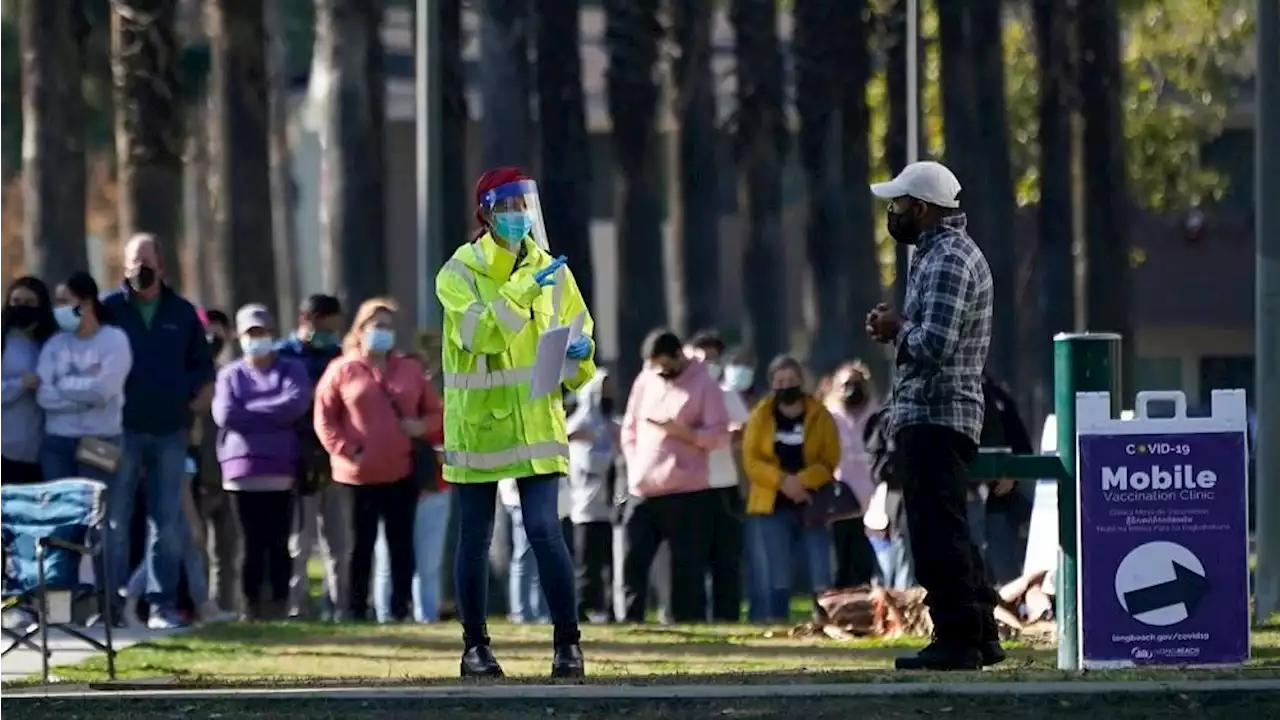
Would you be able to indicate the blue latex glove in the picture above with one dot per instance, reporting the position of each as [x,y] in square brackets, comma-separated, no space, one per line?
[546,277]
[579,349]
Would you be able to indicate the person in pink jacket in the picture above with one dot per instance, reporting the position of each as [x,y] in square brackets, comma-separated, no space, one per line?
[849,396]
[372,405]
[675,419]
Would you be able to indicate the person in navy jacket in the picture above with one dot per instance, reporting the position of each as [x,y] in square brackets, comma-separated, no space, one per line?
[171,381]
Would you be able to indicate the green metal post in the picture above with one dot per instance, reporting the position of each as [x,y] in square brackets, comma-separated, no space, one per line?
[1082,362]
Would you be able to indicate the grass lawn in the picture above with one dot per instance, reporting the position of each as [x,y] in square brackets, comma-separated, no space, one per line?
[304,653]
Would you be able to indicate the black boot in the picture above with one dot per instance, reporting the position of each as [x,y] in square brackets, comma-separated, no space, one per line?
[478,662]
[992,653]
[567,662]
[941,657]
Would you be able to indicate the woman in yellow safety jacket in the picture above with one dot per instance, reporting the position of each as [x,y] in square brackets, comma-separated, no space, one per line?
[500,292]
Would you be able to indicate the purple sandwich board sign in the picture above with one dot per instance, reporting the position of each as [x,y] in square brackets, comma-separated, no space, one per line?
[1164,537]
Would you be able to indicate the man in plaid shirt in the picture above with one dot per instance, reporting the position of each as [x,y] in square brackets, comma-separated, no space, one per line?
[940,340]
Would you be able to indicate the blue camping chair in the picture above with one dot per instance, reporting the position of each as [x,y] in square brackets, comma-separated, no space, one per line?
[48,528]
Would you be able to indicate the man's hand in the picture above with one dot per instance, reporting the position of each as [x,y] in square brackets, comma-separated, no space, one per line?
[792,488]
[412,427]
[675,430]
[1003,486]
[30,381]
[883,323]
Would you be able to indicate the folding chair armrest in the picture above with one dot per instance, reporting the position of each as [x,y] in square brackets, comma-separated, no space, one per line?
[47,542]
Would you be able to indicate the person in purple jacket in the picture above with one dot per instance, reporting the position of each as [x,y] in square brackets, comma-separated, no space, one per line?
[257,401]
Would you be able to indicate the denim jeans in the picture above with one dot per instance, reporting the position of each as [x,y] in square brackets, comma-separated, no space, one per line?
[192,565]
[771,539]
[476,505]
[893,554]
[58,459]
[160,459]
[524,591]
[429,528]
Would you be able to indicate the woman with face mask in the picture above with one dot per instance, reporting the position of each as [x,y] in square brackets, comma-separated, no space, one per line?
[500,293]
[82,375]
[28,323]
[790,449]
[257,401]
[849,396]
[374,410]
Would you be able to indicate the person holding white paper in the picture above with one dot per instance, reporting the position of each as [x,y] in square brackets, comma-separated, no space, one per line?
[500,293]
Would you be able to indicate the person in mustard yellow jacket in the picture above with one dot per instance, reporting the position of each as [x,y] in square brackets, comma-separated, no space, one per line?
[790,449]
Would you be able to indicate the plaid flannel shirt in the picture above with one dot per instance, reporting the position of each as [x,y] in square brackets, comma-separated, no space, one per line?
[946,331]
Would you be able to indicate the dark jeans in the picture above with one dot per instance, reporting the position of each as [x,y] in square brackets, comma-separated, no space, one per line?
[17,472]
[681,520]
[856,562]
[265,521]
[394,505]
[725,554]
[932,463]
[538,508]
[593,561]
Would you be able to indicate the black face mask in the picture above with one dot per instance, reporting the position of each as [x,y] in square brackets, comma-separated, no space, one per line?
[23,316]
[789,395]
[854,397]
[606,406]
[904,227]
[143,278]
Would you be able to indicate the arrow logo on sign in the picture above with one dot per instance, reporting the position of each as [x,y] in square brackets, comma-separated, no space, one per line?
[1187,587]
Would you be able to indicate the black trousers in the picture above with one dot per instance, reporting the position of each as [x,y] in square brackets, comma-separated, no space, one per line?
[593,563]
[17,472]
[855,558]
[725,553]
[932,463]
[265,521]
[394,505]
[681,521]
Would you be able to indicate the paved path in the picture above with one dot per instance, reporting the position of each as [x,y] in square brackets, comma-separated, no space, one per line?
[25,662]
[657,692]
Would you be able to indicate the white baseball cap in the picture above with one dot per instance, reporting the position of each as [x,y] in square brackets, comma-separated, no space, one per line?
[926,180]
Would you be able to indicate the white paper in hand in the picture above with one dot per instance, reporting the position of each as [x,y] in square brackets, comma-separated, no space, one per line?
[548,364]
[575,331]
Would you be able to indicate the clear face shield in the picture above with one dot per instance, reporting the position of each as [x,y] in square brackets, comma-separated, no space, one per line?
[516,213]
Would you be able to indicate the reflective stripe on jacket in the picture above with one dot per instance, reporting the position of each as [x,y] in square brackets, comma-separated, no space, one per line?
[494,312]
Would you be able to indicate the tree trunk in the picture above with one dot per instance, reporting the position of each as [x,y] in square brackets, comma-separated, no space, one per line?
[1053,259]
[348,64]
[1107,206]
[761,148]
[864,289]
[506,83]
[566,157]
[148,124]
[53,121]
[454,118]
[631,35]
[694,234]
[994,229]
[201,271]
[284,191]
[895,139]
[239,123]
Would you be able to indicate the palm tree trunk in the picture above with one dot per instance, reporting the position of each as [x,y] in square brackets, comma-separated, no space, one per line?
[454,119]
[631,34]
[1108,211]
[148,123]
[894,25]
[566,156]
[200,276]
[506,83]
[995,189]
[864,289]
[53,121]
[694,236]
[283,188]
[348,61]
[761,148]
[1053,260]
[959,133]
[239,123]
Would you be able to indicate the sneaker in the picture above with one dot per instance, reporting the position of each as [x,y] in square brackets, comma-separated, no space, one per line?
[939,657]
[18,618]
[162,620]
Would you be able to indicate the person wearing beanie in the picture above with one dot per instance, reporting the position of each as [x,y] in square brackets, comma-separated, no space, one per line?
[500,293]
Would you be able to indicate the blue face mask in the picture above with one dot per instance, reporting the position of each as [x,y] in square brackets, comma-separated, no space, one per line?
[512,227]
[379,339]
[738,378]
[67,317]
[256,347]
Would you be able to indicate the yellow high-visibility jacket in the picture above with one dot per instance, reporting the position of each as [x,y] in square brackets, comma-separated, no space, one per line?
[493,315]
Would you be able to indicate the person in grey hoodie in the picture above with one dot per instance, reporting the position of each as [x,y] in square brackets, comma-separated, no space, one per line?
[594,450]
[28,322]
[82,374]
